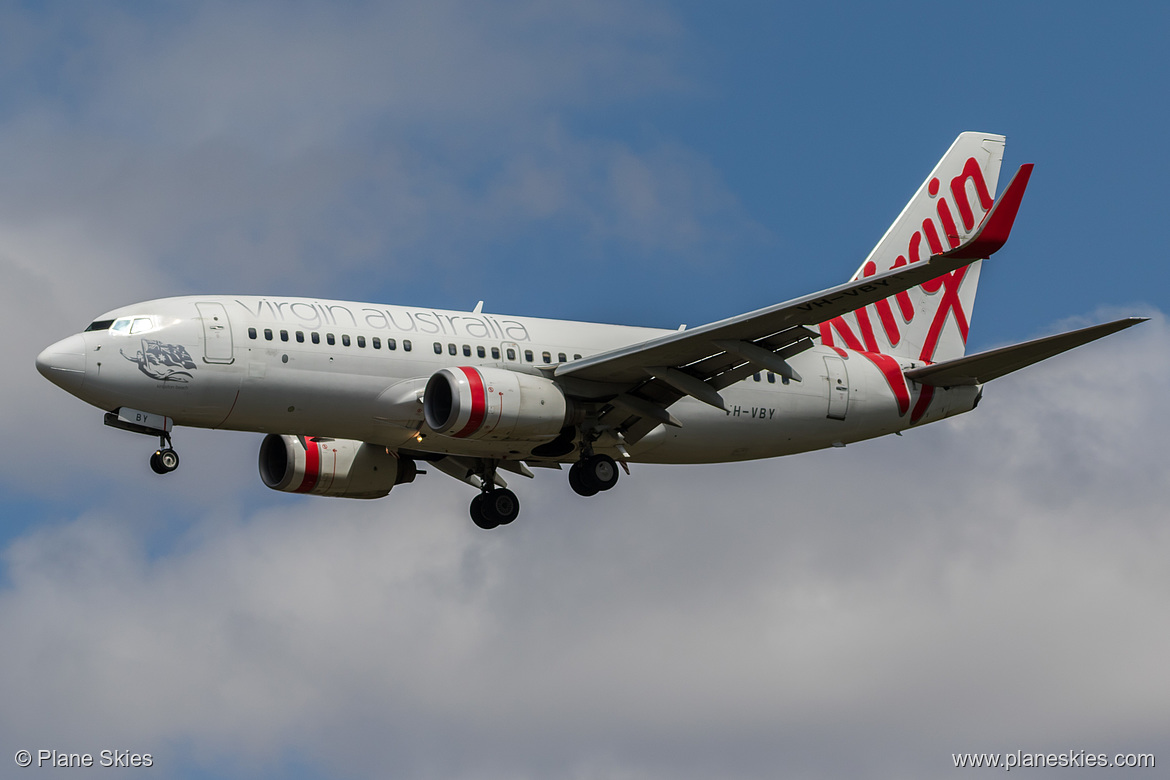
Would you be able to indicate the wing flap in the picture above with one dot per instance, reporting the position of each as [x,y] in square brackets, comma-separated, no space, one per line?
[985,366]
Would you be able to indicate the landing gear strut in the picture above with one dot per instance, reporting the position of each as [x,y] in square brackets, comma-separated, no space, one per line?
[165,459]
[593,474]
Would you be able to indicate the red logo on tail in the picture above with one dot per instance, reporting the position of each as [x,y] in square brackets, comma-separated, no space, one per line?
[945,287]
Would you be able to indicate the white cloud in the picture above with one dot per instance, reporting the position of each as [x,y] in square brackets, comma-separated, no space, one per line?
[985,584]
[355,150]
[989,583]
[306,75]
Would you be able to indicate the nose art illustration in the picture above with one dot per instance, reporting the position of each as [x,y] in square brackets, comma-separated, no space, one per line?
[162,361]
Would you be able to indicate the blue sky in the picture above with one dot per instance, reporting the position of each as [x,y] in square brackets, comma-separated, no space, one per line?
[858,613]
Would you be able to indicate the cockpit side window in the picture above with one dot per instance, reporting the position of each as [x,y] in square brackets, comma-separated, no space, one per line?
[141,325]
[121,326]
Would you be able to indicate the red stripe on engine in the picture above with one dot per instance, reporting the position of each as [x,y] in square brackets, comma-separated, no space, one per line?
[478,402]
[312,466]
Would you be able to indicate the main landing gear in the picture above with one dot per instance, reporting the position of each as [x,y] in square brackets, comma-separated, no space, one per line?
[165,459]
[495,507]
[593,474]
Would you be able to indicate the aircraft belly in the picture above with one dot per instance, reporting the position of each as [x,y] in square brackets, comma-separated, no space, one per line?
[765,420]
[755,425]
[318,403]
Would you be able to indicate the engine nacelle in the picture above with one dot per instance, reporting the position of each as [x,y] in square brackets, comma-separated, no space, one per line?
[331,467]
[494,404]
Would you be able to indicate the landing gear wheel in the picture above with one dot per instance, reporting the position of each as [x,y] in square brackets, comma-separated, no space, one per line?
[168,459]
[601,471]
[164,461]
[577,481]
[494,508]
[477,514]
[501,505]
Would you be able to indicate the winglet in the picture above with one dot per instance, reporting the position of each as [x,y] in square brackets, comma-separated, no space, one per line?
[997,225]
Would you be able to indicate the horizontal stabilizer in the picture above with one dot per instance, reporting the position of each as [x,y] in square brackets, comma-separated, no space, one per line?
[985,366]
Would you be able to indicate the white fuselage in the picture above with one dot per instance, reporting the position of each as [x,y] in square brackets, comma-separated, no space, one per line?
[330,368]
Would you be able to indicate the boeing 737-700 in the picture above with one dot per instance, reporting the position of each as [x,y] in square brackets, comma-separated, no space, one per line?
[354,396]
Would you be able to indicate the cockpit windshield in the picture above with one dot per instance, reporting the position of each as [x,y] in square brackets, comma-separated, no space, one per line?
[133,325]
[123,325]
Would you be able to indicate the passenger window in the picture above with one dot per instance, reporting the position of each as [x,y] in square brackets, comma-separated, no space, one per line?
[576,357]
[771,378]
[284,335]
[466,350]
[344,340]
[511,354]
[251,333]
[561,357]
[783,380]
[528,355]
[480,352]
[300,337]
[316,337]
[495,353]
[756,376]
[377,342]
[452,349]
[330,340]
[391,344]
[406,345]
[438,348]
[268,334]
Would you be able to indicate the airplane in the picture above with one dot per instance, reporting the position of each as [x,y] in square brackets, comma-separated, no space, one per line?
[354,397]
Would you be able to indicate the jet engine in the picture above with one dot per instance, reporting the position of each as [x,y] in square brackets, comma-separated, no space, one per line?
[331,467]
[494,404]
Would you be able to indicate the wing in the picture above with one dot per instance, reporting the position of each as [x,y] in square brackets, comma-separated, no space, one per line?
[643,379]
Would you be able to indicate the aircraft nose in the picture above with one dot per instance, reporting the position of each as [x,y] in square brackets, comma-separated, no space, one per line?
[63,363]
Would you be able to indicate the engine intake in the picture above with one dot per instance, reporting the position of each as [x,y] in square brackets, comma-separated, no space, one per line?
[332,467]
[495,404]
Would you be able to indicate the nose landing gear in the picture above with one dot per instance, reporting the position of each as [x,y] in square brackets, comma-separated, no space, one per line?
[165,459]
